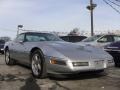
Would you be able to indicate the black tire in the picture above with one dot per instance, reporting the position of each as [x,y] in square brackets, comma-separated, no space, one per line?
[8,60]
[2,52]
[117,64]
[117,61]
[38,65]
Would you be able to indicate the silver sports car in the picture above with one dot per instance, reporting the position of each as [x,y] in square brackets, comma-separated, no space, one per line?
[47,53]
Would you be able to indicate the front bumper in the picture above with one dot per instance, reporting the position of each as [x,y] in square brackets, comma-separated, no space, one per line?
[70,69]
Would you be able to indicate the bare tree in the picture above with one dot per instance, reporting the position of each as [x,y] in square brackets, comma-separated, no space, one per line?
[74,32]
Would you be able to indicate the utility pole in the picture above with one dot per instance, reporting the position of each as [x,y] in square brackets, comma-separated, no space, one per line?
[91,8]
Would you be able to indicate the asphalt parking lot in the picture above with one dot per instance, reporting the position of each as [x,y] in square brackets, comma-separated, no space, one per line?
[18,77]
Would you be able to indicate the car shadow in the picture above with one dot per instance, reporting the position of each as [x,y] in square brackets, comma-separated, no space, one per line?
[80,76]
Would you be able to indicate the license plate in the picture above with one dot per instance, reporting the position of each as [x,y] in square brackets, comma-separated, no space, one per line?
[99,64]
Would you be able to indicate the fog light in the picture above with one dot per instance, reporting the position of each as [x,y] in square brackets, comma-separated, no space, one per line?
[80,64]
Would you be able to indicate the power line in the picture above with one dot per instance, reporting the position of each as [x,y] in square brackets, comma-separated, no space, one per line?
[114,3]
[112,6]
[117,0]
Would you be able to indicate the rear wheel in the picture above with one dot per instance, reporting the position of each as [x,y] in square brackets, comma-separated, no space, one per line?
[8,60]
[117,64]
[117,61]
[38,65]
[2,52]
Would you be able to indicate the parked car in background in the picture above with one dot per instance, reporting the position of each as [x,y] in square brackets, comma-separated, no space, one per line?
[101,40]
[47,53]
[114,50]
[73,38]
[3,39]
[2,42]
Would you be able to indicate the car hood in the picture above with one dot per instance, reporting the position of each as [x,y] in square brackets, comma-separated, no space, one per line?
[94,43]
[76,52]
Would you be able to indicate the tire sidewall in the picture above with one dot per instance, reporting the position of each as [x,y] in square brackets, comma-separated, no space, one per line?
[41,64]
[7,51]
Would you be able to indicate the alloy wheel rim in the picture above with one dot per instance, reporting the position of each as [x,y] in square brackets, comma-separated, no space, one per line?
[36,64]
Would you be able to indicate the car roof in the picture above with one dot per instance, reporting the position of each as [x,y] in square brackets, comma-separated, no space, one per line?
[36,32]
[73,36]
[107,34]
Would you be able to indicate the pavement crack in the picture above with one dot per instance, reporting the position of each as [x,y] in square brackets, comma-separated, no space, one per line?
[9,77]
[54,87]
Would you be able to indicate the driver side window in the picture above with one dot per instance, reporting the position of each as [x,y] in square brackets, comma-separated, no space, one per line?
[34,38]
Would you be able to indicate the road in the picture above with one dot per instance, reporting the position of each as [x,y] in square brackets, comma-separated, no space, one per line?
[18,77]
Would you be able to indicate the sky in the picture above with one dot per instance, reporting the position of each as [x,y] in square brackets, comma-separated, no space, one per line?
[55,15]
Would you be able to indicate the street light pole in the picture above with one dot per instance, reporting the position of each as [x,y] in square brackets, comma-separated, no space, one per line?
[18,28]
[91,12]
[17,31]
[91,8]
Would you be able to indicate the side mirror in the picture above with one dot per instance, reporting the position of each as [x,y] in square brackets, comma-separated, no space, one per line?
[21,42]
[100,41]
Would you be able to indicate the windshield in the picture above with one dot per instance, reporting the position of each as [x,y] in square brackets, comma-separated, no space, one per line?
[34,37]
[93,38]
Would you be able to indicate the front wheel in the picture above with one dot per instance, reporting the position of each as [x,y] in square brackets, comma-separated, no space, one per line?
[38,65]
[8,60]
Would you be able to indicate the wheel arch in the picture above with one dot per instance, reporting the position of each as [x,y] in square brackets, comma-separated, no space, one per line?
[6,48]
[34,49]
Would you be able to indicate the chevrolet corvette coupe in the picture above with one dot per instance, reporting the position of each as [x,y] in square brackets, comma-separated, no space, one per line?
[47,53]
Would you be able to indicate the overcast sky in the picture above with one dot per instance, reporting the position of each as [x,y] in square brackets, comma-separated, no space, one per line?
[55,15]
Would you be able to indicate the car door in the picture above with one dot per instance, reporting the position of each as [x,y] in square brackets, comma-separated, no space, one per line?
[105,40]
[18,48]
